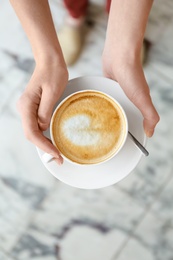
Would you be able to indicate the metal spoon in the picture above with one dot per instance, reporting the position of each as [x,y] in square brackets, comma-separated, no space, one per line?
[139,145]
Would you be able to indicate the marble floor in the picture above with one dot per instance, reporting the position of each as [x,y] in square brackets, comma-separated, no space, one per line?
[44,219]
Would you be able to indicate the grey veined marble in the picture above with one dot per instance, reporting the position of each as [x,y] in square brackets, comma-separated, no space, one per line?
[44,219]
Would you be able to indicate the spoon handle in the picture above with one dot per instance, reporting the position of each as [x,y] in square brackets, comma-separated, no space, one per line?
[138,144]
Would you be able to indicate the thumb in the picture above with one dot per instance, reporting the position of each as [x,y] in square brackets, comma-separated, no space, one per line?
[144,103]
[47,103]
[137,90]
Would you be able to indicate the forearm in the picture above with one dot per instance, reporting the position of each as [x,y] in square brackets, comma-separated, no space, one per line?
[127,24]
[35,17]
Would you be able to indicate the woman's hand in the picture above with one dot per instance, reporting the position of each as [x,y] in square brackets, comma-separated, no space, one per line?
[37,102]
[130,76]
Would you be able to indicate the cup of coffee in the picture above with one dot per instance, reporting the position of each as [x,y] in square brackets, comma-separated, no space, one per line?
[88,127]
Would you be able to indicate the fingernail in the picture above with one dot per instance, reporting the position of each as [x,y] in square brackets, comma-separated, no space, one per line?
[58,161]
[149,133]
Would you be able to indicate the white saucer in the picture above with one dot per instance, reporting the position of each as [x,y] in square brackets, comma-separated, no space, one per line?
[108,173]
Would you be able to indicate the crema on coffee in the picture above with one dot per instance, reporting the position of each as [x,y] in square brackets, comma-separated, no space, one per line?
[88,127]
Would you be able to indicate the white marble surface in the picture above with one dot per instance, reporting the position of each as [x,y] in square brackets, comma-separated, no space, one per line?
[44,219]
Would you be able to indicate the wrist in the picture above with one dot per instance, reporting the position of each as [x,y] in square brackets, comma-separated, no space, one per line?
[51,63]
[118,55]
[117,61]
[50,57]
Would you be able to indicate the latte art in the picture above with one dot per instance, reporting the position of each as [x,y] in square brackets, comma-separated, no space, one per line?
[88,127]
[77,130]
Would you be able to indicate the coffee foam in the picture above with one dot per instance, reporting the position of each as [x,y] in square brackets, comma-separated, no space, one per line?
[77,130]
[88,127]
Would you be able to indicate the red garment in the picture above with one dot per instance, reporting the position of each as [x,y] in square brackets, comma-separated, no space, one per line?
[78,8]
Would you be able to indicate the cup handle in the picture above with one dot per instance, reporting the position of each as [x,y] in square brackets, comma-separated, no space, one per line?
[46,157]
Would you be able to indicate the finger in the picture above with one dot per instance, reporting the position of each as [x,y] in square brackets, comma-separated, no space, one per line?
[136,88]
[44,144]
[47,103]
[142,100]
[59,161]
[28,110]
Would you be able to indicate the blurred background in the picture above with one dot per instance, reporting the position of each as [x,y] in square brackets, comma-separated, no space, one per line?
[44,219]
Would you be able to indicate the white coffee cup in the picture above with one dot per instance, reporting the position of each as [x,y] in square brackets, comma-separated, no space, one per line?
[88,127]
